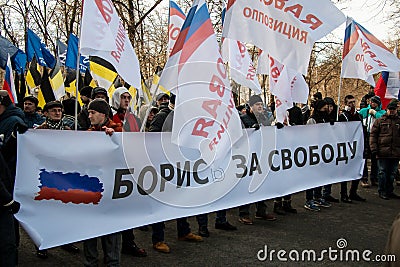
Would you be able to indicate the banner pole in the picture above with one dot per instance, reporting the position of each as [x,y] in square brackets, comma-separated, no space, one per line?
[78,29]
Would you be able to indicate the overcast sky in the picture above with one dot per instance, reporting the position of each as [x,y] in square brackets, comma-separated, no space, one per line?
[371,14]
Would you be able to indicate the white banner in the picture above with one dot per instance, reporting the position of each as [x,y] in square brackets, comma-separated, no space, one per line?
[103,35]
[286,30]
[88,184]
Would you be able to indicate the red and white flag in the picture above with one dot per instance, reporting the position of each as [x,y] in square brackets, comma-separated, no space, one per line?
[103,35]
[205,117]
[285,30]
[176,20]
[364,54]
[288,87]
[240,65]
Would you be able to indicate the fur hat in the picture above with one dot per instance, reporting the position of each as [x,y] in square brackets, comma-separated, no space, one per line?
[254,99]
[52,104]
[32,99]
[100,106]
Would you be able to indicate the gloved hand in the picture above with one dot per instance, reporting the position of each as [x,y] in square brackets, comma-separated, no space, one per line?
[372,112]
[256,126]
[13,207]
[279,125]
[20,128]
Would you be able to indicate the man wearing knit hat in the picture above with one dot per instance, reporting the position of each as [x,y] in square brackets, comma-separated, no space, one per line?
[32,118]
[255,117]
[369,115]
[100,121]
[385,145]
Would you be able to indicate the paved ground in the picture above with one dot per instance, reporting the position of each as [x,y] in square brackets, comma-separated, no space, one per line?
[363,225]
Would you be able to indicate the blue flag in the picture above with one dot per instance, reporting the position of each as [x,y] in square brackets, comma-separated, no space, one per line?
[61,52]
[36,47]
[7,48]
[72,53]
[19,60]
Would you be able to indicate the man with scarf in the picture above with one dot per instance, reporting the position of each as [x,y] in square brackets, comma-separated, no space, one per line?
[53,111]
[314,198]
[350,114]
[384,142]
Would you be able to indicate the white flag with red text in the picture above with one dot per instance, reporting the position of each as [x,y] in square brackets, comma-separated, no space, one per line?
[205,117]
[262,63]
[364,54]
[288,87]
[240,65]
[103,35]
[285,30]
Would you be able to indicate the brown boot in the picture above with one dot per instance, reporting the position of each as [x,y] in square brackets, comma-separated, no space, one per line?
[278,209]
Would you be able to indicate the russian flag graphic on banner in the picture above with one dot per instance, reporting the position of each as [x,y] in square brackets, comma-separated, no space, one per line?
[69,187]
[9,85]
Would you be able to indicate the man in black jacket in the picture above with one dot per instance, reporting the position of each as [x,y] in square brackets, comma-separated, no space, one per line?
[255,117]
[8,207]
[350,114]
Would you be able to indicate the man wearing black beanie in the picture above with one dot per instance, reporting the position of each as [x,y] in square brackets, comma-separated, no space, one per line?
[111,243]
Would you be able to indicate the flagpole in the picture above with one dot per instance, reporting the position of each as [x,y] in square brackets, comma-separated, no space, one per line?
[338,101]
[77,73]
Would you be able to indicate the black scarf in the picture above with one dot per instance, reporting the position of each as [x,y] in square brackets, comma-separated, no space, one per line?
[55,125]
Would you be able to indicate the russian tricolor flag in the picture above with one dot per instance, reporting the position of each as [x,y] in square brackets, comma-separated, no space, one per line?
[69,187]
[9,85]
[387,87]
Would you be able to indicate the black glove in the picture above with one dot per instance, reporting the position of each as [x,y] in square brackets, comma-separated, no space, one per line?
[279,125]
[255,126]
[20,127]
[332,122]
[14,207]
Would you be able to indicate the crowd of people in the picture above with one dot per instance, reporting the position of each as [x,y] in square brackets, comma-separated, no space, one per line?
[382,148]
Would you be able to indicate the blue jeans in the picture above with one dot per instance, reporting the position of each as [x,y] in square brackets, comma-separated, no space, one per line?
[202,219]
[327,190]
[8,248]
[314,193]
[387,169]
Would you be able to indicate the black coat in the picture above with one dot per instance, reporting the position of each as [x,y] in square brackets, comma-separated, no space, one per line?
[163,120]
[6,183]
